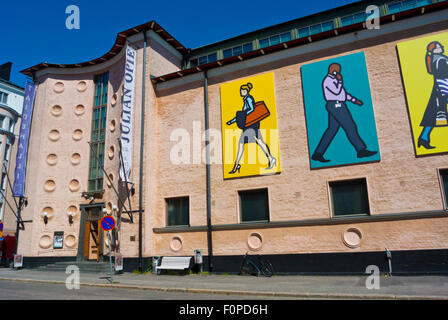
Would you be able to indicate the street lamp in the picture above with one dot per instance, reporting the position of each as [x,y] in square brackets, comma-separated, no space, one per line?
[70,217]
[45,217]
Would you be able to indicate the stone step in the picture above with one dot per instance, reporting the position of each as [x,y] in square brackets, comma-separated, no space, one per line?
[84,266]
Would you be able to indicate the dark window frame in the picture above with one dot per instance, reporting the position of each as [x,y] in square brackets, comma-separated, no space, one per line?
[98,132]
[167,220]
[443,187]
[333,183]
[240,207]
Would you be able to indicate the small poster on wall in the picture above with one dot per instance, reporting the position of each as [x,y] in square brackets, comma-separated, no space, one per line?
[58,240]
[18,261]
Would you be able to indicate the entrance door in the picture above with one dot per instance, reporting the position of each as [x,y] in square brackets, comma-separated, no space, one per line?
[91,231]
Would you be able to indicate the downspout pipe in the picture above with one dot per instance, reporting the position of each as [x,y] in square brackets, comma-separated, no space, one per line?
[142,139]
[207,168]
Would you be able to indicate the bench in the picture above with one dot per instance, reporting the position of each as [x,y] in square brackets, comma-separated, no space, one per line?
[174,263]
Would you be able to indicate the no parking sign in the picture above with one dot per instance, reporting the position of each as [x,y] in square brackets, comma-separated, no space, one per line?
[107,223]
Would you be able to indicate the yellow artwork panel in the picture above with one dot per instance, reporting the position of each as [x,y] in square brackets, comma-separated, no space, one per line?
[250,141]
[424,68]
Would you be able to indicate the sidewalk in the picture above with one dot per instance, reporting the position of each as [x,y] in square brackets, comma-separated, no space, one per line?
[344,287]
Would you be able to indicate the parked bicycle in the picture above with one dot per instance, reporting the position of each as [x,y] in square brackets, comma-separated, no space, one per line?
[256,266]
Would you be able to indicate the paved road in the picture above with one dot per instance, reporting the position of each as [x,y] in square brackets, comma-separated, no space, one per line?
[16,290]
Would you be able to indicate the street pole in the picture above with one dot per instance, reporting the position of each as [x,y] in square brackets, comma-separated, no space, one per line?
[110,257]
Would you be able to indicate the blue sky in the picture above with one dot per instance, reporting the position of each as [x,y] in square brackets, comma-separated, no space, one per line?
[32,32]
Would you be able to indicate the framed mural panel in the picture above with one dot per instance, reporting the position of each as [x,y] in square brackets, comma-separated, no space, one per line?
[424,70]
[339,114]
[250,145]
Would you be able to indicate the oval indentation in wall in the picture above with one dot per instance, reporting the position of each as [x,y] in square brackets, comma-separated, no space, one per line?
[111,177]
[58,87]
[81,86]
[111,152]
[79,110]
[77,135]
[255,241]
[52,159]
[74,185]
[70,240]
[112,125]
[176,243]
[76,158]
[49,185]
[54,135]
[73,210]
[45,241]
[48,210]
[56,110]
[352,238]
[113,100]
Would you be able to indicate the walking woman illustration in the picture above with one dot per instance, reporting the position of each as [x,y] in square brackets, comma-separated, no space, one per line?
[436,111]
[251,133]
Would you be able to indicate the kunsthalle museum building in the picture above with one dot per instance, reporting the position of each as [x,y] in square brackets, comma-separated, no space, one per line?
[319,142]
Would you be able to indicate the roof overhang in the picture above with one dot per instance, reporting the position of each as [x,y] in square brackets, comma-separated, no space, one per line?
[116,48]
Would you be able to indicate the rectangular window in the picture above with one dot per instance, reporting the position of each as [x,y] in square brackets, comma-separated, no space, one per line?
[304,32]
[2,121]
[349,197]
[98,132]
[227,53]
[254,205]
[177,212]
[203,60]
[444,178]
[317,28]
[264,43]
[193,63]
[327,26]
[394,7]
[275,39]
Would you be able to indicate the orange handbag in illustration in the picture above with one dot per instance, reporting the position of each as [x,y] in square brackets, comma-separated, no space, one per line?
[260,112]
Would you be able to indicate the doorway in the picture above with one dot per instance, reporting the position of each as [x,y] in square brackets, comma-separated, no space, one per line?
[90,233]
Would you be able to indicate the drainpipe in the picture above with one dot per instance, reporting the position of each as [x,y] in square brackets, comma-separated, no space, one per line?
[142,139]
[207,168]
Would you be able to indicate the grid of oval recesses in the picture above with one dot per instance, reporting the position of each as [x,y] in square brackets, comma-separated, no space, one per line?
[59,87]
[50,185]
[52,159]
[111,152]
[79,110]
[77,134]
[54,135]
[45,241]
[74,185]
[56,110]
[75,158]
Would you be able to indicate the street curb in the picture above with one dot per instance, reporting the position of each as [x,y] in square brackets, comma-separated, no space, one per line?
[246,293]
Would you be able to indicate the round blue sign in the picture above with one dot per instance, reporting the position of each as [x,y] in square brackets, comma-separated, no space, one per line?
[107,223]
[1,226]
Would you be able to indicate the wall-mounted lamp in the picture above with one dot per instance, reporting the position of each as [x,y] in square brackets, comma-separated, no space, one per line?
[45,217]
[104,210]
[70,217]
[114,207]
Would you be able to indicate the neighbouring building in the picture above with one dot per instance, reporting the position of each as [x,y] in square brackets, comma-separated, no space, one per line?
[327,145]
[11,102]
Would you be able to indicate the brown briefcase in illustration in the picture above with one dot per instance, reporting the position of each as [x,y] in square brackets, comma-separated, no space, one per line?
[260,112]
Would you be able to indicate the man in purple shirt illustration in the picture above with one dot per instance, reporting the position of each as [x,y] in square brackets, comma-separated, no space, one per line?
[339,115]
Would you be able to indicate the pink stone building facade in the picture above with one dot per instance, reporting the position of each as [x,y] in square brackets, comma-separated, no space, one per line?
[406,195]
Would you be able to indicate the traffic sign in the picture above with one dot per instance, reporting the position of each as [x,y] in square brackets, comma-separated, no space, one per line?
[107,223]
[1,226]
